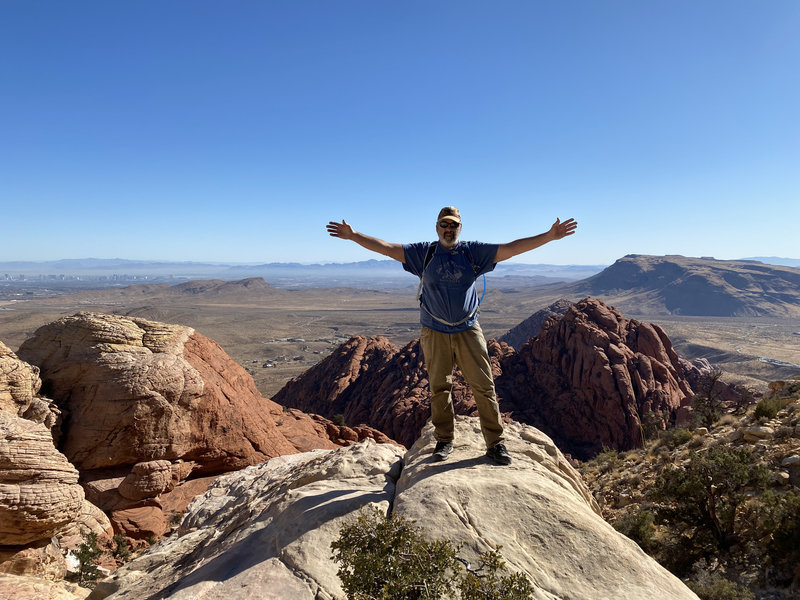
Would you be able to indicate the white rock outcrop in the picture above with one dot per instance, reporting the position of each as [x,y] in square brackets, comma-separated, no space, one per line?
[265,532]
[538,509]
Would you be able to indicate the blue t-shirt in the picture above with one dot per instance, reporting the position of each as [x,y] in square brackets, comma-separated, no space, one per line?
[447,288]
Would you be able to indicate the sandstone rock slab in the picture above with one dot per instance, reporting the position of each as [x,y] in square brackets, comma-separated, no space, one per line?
[537,509]
[265,531]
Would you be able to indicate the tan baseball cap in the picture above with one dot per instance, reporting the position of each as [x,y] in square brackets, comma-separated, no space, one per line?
[449,213]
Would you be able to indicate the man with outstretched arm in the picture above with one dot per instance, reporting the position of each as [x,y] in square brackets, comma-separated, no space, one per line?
[449,303]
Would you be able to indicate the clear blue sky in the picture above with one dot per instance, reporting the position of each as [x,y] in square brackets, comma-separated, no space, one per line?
[233,131]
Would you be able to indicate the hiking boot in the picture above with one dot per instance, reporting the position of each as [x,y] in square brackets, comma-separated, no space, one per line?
[442,450]
[499,454]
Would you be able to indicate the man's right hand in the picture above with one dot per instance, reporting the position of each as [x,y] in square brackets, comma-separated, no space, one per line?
[341,230]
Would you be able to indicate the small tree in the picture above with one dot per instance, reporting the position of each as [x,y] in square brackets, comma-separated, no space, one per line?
[87,554]
[781,530]
[705,497]
[707,404]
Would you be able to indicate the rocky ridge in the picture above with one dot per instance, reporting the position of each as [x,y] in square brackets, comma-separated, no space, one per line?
[265,532]
[680,285]
[517,336]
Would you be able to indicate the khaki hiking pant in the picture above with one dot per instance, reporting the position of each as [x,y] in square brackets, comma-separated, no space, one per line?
[468,350]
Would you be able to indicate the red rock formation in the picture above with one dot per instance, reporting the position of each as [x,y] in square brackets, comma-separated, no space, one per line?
[517,336]
[138,391]
[149,404]
[367,381]
[589,378]
[586,381]
[370,381]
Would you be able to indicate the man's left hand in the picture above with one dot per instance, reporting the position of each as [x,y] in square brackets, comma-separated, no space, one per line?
[560,230]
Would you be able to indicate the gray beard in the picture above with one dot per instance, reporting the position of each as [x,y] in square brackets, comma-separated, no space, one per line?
[448,244]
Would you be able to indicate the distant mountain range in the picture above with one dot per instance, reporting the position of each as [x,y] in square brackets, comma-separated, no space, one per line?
[679,285]
[383,273]
[635,284]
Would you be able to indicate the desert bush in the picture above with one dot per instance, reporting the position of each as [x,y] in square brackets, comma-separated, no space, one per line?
[781,530]
[606,461]
[674,437]
[638,525]
[716,587]
[389,559]
[767,408]
[703,499]
[338,419]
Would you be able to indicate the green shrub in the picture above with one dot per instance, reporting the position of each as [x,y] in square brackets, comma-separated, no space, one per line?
[638,526]
[484,583]
[704,498]
[390,559]
[716,587]
[781,530]
[607,460]
[122,548]
[767,408]
[677,436]
[338,419]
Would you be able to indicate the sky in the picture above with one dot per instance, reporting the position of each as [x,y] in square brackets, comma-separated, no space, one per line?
[234,131]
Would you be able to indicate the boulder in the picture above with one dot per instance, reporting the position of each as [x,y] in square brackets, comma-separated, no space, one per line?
[42,559]
[265,532]
[538,510]
[139,391]
[39,490]
[147,480]
[19,391]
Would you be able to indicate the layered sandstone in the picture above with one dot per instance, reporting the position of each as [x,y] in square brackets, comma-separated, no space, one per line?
[19,390]
[139,390]
[39,490]
[151,404]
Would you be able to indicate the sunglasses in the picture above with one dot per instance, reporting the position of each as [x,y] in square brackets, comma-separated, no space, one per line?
[450,224]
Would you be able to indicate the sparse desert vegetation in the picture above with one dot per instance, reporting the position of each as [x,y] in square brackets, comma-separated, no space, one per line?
[719,506]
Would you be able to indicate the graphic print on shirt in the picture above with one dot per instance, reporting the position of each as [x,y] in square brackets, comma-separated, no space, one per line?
[448,271]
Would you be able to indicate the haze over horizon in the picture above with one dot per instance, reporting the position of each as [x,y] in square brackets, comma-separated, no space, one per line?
[211,133]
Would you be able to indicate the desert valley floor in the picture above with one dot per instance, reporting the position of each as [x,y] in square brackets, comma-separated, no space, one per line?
[277,334]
